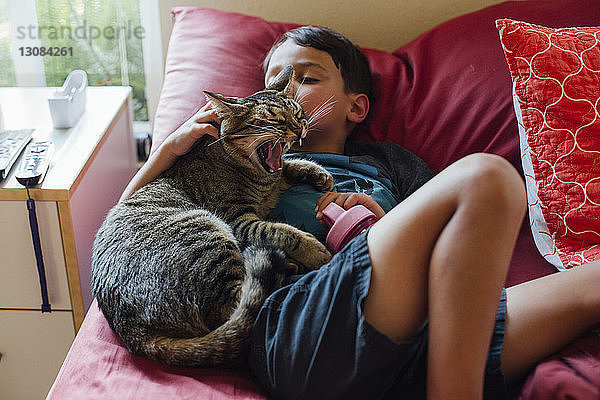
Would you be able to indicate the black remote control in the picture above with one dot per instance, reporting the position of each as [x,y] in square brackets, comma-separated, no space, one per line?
[35,163]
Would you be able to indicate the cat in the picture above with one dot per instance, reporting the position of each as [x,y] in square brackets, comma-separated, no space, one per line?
[181,268]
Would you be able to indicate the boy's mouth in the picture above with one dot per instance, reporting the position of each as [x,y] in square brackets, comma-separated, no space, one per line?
[269,154]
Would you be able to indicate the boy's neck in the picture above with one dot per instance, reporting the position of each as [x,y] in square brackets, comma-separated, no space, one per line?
[320,142]
[331,146]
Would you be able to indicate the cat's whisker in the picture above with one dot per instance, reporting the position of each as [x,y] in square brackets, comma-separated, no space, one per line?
[267,131]
[298,90]
[234,137]
[301,99]
[322,108]
[320,114]
[315,130]
[218,140]
[264,128]
[253,151]
[323,104]
[251,144]
[325,107]
[246,135]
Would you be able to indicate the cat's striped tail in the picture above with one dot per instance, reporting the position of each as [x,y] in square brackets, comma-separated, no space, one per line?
[265,265]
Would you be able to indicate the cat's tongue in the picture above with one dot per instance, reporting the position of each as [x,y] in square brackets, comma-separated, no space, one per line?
[273,156]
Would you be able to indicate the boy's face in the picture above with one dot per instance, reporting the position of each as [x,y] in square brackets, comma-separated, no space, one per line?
[319,89]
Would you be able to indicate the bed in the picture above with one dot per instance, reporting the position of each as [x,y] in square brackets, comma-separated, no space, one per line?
[446,94]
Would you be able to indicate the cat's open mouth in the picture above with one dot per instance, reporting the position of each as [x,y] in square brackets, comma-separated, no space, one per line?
[269,154]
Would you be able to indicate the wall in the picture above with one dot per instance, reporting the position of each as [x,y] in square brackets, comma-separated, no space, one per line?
[382,24]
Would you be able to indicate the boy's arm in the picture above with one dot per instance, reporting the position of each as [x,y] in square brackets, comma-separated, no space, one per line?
[177,144]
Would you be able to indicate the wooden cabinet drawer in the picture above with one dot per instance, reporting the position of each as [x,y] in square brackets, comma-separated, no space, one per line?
[33,346]
[19,281]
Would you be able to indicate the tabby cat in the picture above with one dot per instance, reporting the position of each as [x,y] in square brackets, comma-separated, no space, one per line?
[181,268]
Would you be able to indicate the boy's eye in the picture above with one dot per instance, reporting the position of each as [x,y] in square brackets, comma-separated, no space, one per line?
[308,80]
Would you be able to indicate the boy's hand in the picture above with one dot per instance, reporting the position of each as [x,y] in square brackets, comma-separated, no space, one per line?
[347,200]
[183,138]
[175,145]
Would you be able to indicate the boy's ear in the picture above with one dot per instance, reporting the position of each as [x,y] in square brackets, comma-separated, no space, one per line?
[359,108]
[224,106]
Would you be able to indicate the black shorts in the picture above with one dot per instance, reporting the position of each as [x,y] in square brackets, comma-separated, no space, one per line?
[312,341]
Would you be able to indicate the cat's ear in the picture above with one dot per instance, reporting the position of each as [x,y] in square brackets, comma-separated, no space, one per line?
[224,105]
[284,81]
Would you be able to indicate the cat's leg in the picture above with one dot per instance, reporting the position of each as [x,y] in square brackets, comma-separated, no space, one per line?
[302,247]
[303,171]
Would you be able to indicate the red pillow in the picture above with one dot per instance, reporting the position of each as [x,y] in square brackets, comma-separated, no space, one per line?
[556,74]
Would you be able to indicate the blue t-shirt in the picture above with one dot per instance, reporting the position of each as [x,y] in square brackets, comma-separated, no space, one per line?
[296,206]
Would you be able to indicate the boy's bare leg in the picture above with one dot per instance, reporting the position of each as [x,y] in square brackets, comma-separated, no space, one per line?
[545,314]
[442,255]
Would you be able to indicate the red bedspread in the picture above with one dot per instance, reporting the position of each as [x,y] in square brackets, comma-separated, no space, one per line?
[99,366]
[574,373]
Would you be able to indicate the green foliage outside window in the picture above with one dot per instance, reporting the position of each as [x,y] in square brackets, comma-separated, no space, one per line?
[106,41]
[7,68]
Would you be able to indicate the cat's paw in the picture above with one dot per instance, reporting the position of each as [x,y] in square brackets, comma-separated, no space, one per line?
[311,254]
[322,180]
[304,171]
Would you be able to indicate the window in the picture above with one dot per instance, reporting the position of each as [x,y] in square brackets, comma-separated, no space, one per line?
[7,67]
[102,37]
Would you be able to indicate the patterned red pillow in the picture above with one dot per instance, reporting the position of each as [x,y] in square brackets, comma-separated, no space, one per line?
[556,88]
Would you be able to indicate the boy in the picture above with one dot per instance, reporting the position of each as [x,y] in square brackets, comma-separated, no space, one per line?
[415,307]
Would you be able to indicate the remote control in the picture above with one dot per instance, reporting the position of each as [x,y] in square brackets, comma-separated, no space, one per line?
[35,163]
[12,142]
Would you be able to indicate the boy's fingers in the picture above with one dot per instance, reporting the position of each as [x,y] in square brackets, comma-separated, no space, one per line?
[351,200]
[340,200]
[320,201]
[325,200]
[207,116]
[206,113]
[206,107]
[204,129]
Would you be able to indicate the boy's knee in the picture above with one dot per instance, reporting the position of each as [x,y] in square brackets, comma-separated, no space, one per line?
[493,180]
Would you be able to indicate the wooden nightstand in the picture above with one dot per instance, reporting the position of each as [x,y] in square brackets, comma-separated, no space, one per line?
[92,163]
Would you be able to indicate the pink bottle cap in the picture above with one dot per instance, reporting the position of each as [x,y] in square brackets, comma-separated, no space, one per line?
[344,223]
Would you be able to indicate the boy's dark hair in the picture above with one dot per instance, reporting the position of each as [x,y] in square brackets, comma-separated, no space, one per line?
[346,56]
